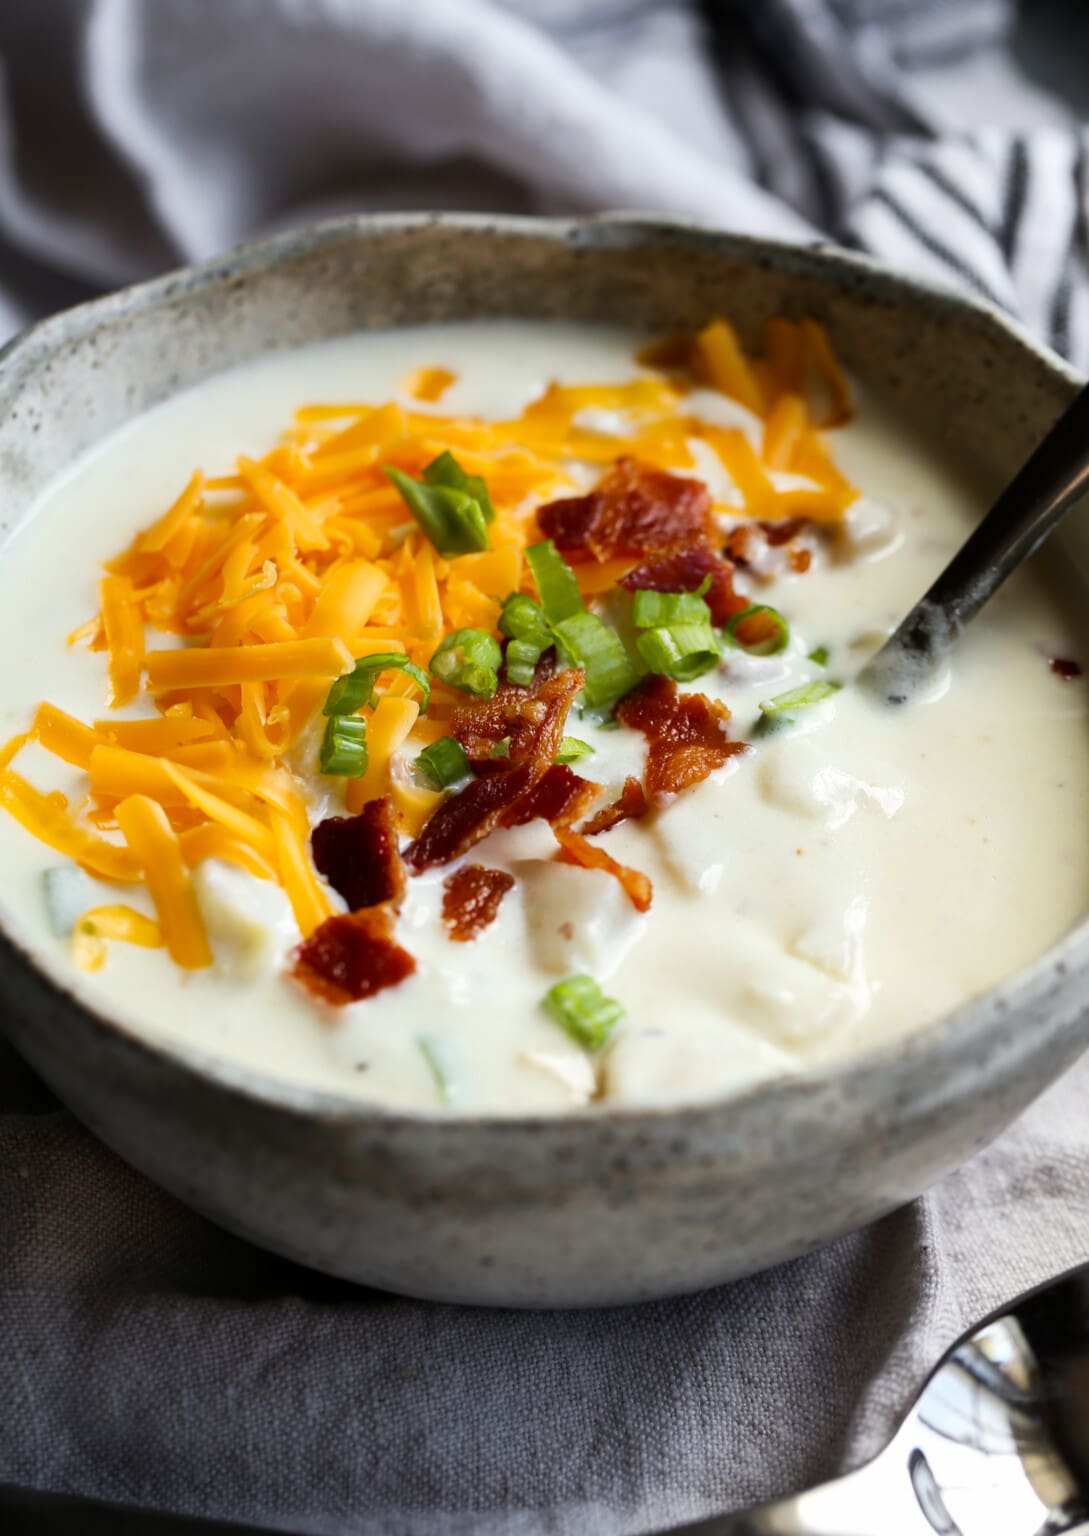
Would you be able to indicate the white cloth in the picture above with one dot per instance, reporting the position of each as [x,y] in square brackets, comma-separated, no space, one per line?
[135,134]
[146,1356]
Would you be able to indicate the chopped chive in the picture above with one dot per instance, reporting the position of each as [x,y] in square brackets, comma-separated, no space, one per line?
[556,583]
[68,893]
[528,637]
[579,1006]
[501,748]
[820,656]
[445,470]
[571,748]
[599,651]
[680,651]
[760,630]
[468,659]
[350,694]
[443,763]
[438,1057]
[453,520]
[799,698]
[655,610]
[344,747]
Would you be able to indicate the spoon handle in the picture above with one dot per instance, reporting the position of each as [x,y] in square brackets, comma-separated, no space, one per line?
[1034,502]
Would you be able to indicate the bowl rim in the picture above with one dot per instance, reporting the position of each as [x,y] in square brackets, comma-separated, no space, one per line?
[963,1028]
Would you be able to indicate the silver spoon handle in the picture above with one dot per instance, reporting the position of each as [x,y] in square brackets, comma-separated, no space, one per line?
[1051,481]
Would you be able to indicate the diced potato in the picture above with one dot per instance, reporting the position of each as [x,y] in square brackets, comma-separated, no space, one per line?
[249,921]
[696,1053]
[576,919]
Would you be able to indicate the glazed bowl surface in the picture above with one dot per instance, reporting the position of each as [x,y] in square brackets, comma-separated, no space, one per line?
[595,1207]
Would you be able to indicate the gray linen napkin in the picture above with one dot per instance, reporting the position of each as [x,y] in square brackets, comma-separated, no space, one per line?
[144,1355]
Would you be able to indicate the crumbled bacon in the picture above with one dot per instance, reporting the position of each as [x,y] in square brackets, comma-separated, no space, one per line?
[686,733]
[574,849]
[462,820]
[352,956]
[1064,668]
[559,797]
[684,570]
[360,855]
[749,544]
[471,898]
[629,805]
[635,510]
[529,716]
[502,793]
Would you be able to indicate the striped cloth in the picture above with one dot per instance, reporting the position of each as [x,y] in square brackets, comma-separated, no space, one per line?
[133,137]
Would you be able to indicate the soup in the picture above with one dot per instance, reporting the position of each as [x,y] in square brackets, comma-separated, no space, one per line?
[475,732]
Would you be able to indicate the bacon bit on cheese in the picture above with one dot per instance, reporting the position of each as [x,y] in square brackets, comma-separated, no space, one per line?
[574,849]
[685,570]
[630,805]
[471,898]
[360,856]
[686,733]
[352,956]
[634,511]
[271,578]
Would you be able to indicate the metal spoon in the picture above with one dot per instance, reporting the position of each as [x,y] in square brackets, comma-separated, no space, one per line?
[1034,503]
[997,1443]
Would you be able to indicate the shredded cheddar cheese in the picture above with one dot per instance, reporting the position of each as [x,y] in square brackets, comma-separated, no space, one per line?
[274,578]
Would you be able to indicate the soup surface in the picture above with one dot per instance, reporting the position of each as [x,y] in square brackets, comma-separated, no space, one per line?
[801,875]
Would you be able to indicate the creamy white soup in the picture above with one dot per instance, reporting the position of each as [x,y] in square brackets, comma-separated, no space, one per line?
[800,875]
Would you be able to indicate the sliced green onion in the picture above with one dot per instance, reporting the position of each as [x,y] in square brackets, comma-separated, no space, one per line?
[571,748]
[681,651]
[445,470]
[579,1006]
[599,651]
[443,763]
[772,630]
[501,748]
[453,520]
[556,583]
[68,893]
[344,746]
[655,610]
[468,659]
[799,698]
[350,694]
[441,1065]
[820,656]
[529,636]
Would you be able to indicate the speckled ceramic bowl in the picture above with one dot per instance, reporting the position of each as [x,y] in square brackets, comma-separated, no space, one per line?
[596,1207]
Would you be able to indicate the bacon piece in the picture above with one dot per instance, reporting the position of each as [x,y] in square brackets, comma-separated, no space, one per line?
[352,956]
[574,849]
[534,721]
[629,805]
[471,898]
[460,822]
[360,856]
[684,570]
[635,510]
[747,545]
[686,733]
[529,716]
[559,797]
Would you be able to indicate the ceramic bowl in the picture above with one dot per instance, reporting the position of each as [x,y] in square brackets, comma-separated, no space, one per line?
[588,1208]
